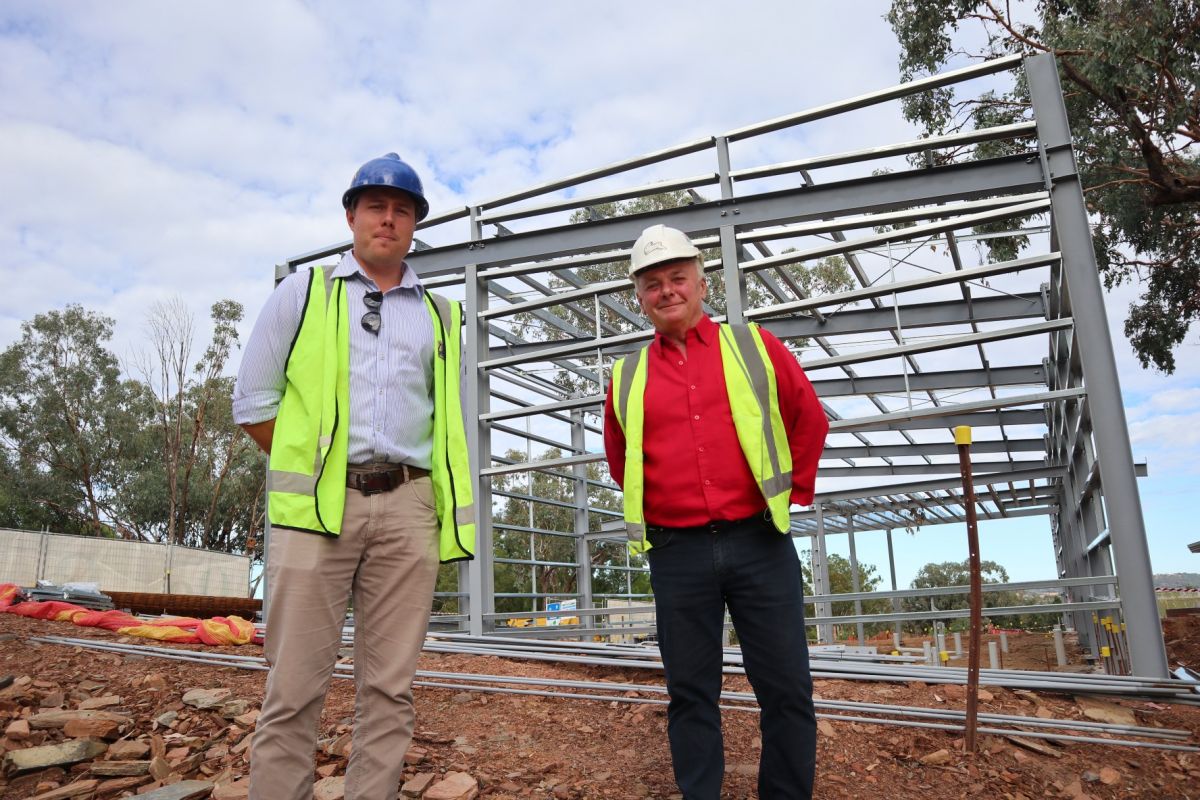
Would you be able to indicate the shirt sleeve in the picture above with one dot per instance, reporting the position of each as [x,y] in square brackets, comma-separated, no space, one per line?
[803,418]
[614,441]
[262,376]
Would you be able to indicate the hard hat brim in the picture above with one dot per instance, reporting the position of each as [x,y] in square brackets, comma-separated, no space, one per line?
[422,206]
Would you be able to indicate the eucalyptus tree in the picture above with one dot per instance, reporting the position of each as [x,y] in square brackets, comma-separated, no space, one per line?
[1129,74]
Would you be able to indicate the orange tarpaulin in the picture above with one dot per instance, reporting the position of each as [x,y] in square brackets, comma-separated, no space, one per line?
[184,630]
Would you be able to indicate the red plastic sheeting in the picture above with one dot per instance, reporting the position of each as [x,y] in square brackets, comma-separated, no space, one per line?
[183,630]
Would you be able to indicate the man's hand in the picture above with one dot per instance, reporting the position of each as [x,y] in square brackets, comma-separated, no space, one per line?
[262,433]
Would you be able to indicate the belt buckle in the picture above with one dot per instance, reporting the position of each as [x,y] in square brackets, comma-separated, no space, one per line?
[376,483]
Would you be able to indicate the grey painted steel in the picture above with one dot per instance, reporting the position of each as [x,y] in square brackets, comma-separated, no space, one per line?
[917,315]
[850,246]
[1161,738]
[947,343]
[820,578]
[1011,174]
[580,324]
[883,95]
[583,561]
[1030,375]
[900,148]
[855,581]
[944,591]
[479,575]
[986,271]
[957,409]
[1123,506]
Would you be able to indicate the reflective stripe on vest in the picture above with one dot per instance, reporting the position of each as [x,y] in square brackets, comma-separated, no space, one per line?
[754,405]
[452,482]
[307,479]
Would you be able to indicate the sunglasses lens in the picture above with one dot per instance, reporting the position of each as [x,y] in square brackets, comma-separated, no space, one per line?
[371,321]
[373,299]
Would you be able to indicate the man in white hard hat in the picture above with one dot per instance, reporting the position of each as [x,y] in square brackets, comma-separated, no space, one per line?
[351,383]
[713,431]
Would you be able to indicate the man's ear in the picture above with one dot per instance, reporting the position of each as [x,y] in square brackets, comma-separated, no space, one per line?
[350,217]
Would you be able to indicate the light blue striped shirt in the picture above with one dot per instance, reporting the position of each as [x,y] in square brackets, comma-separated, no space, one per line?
[391,373]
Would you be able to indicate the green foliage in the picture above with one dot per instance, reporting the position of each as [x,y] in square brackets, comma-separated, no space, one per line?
[841,580]
[208,474]
[1129,73]
[86,450]
[67,417]
[957,573]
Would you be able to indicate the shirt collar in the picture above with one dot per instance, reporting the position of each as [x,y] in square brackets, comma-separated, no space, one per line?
[704,331]
[348,267]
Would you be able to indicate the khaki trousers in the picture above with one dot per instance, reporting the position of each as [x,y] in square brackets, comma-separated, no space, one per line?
[387,557]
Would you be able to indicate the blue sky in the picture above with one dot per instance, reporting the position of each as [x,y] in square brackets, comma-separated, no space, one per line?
[151,150]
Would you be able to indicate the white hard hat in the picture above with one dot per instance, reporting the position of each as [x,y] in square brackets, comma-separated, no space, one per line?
[659,244]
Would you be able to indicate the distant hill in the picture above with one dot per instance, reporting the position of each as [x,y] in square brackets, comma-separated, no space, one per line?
[1182,579]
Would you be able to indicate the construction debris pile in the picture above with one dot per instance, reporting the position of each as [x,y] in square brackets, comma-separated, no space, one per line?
[90,714]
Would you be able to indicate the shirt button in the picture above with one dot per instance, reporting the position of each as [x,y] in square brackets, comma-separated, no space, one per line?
[701,449]
[707,483]
[692,387]
[680,363]
[695,416]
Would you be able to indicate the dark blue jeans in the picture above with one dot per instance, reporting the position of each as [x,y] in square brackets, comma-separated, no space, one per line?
[755,571]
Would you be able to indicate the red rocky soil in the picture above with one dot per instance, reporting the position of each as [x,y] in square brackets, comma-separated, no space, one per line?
[509,746]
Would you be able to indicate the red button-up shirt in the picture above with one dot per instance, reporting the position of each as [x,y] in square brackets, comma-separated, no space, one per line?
[695,471]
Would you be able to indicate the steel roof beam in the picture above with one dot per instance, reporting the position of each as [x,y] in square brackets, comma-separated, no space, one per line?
[1031,375]
[957,409]
[997,176]
[945,343]
[917,315]
[929,448]
[913,284]
[947,468]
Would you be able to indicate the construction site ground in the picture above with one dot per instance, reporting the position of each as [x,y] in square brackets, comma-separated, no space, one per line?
[515,746]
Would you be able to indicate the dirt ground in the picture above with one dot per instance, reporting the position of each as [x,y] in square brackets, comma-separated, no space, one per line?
[524,746]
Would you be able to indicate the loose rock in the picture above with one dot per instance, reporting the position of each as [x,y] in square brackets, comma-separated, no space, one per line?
[52,755]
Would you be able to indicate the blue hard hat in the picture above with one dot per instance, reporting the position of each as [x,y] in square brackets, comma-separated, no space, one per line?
[388,170]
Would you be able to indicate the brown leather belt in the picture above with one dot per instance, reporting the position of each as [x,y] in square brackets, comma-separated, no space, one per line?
[376,480]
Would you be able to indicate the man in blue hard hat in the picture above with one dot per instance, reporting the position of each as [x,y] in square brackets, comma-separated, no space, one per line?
[351,383]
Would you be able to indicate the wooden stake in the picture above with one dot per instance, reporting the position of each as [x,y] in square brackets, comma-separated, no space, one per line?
[962,438]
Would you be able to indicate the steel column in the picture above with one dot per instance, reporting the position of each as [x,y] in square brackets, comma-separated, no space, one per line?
[583,575]
[1070,223]
[481,599]
[820,578]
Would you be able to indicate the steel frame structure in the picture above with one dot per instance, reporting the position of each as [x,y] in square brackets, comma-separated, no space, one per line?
[929,338]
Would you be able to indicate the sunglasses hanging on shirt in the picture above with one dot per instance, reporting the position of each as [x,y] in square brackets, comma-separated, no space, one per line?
[372,321]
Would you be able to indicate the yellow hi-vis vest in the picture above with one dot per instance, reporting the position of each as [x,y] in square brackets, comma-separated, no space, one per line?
[307,479]
[754,403]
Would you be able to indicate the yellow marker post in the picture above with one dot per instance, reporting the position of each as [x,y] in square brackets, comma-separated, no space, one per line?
[962,440]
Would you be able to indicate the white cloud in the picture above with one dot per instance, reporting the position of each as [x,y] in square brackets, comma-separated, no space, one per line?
[151,149]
